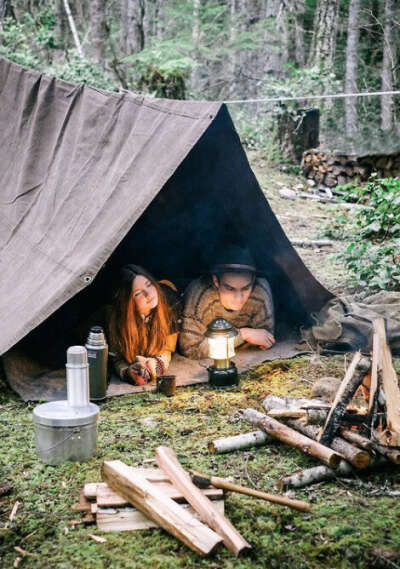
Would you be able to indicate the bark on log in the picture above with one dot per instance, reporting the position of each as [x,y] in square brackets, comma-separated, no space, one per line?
[169,515]
[351,381]
[238,442]
[356,439]
[358,458]
[168,461]
[314,475]
[321,473]
[319,416]
[287,402]
[291,437]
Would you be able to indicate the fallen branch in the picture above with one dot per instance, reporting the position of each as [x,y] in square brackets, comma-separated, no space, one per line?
[312,244]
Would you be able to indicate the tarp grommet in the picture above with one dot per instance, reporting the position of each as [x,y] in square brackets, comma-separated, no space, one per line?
[87,278]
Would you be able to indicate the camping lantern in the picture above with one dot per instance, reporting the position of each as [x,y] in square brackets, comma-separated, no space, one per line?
[221,336]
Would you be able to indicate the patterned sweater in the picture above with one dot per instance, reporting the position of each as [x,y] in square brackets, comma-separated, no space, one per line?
[202,305]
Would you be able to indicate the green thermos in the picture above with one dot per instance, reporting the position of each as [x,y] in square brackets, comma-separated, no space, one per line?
[97,351]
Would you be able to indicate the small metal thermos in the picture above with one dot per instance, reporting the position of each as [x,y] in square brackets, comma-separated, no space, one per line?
[77,377]
[97,351]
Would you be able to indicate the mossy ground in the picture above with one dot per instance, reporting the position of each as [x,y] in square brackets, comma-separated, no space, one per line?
[348,520]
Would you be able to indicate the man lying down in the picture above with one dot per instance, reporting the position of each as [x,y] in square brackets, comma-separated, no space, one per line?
[234,292]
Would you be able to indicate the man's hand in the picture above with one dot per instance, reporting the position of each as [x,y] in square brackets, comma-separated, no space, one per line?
[258,337]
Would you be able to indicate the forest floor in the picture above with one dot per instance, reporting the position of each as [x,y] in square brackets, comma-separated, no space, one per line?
[350,519]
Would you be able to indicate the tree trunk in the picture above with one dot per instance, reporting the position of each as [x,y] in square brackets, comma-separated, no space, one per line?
[388,65]
[323,45]
[274,11]
[353,32]
[98,30]
[196,71]
[73,29]
[132,29]
[300,53]
[233,63]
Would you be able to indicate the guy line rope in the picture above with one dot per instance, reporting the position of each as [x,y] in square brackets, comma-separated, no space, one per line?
[309,97]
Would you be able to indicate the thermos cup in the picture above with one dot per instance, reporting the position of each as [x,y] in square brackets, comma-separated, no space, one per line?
[97,351]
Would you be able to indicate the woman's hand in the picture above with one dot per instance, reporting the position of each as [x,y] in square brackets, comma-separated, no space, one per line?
[138,374]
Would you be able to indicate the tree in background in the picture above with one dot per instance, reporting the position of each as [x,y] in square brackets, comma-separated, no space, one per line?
[388,66]
[353,34]
[224,49]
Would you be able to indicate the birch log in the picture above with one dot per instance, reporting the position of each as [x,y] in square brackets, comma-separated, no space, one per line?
[238,442]
[291,437]
[167,513]
[314,475]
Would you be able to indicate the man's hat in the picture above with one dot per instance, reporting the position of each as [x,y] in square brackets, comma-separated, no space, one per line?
[233,259]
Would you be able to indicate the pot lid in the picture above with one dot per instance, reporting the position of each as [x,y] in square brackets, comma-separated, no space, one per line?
[60,414]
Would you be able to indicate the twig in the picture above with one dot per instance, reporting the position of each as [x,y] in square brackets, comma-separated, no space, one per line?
[23,552]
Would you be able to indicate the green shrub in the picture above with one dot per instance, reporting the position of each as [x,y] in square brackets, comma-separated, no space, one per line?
[373,255]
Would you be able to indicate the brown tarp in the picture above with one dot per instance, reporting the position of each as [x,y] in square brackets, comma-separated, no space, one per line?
[78,166]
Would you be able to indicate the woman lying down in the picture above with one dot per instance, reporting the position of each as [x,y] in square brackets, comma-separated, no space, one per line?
[142,326]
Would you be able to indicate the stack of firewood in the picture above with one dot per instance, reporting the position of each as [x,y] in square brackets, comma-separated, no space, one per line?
[331,169]
[190,506]
[342,437]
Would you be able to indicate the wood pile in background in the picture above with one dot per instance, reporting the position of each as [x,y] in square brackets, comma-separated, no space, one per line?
[333,169]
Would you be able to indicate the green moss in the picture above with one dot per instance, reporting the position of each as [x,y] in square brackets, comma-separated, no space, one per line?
[345,523]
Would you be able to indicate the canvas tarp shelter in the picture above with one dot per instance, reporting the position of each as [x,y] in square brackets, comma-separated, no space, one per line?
[91,180]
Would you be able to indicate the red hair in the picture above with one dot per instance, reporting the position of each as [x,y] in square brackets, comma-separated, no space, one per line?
[128,330]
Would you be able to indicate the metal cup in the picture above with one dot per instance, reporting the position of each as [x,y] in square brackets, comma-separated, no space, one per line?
[166,384]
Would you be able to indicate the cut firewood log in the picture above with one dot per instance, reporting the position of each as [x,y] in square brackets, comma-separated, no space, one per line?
[388,452]
[356,439]
[168,514]
[355,456]
[107,498]
[375,368]
[130,519]
[322,473]
[287,402]
[168,461]
[287,413]
[319,416]
[291,437]
[314,475]
[238,442]
[351,381]
[389,436]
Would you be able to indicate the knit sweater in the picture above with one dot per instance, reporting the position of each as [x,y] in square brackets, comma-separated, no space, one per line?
[202,305]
